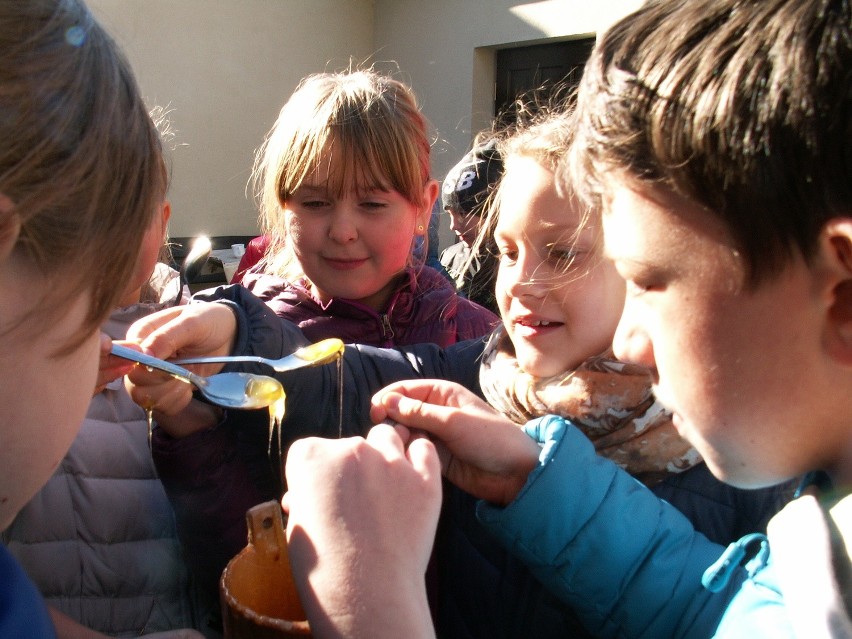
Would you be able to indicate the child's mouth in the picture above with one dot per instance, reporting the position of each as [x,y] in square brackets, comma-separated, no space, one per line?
[529,328]
[345,265]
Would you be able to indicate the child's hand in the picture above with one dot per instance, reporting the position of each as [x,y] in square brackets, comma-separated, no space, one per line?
[481,451]
[197,329]
[362,520]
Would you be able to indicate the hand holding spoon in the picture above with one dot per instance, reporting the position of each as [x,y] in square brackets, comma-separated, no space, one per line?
[230,390]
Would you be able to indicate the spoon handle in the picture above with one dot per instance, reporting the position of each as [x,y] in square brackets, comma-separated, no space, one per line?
[224,359]
[153,362]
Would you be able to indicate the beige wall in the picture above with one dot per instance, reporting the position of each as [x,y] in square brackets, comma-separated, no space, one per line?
[447,50]
[225,67]
[446,47]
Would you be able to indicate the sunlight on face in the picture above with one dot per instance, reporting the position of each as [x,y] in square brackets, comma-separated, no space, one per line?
[559,301]
[352,245]
[43,398]
[722,357]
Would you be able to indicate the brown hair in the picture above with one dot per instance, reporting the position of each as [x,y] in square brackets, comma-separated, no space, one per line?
[80,159]
[743,107]
[369,120]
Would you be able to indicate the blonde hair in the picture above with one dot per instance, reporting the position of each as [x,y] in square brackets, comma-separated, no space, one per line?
[80,159]
[368,122]
[544,136]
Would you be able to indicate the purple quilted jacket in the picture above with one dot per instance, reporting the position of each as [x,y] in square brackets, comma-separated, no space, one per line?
[424,309]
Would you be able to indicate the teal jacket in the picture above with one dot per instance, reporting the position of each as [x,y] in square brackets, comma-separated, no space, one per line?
[631,565]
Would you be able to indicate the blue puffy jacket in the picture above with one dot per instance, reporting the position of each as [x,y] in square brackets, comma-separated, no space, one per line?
[630,565]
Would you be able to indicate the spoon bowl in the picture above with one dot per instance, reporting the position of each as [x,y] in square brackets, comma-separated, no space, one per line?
[323,352]
[229,390]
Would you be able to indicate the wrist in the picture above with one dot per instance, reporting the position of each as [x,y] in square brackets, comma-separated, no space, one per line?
[197,416]
[379,605]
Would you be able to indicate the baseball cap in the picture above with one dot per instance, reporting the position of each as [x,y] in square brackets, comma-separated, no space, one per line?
[467,184]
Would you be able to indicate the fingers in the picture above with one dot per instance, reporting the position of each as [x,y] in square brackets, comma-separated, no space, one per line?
[200,328]
[423,456]
[155,390]
[110,367]
[386,439]
[143,327]
[415,413]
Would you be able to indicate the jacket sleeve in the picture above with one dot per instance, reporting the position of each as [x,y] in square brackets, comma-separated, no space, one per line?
[259,330]
[317,397]
[628,563]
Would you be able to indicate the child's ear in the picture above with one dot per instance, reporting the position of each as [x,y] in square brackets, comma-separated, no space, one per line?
[836,246]
[430,194]
[10,227]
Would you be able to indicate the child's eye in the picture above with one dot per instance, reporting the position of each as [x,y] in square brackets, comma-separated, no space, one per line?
[563,257]
[373,204]
[507,255]
[566,255]
[313,204]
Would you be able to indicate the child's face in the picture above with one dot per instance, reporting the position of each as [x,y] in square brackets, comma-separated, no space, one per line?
[738,368]
[465,226]
[43,398]
[354,246]
[559,301]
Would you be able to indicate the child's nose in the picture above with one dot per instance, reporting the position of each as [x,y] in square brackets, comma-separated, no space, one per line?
[631,344]
[343,227]
[522,278]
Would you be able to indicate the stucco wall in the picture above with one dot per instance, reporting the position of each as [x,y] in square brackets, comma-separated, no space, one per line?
[225,67]
[446,50]
[446,47]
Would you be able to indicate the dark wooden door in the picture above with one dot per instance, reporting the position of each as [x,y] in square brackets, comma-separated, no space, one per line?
[536,72]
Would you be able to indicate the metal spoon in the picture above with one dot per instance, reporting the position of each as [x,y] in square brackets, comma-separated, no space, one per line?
[322,352]
[231,390]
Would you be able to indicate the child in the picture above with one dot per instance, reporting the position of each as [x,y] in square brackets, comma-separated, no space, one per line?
[81,538]
[80,182]
[344,191]
[560,304]
[464,194]
[714,135]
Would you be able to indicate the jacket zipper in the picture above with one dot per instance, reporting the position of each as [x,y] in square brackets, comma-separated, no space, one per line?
[387,330]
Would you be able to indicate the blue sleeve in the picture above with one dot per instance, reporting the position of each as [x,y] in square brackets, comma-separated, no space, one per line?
[23,612]
[628,563]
